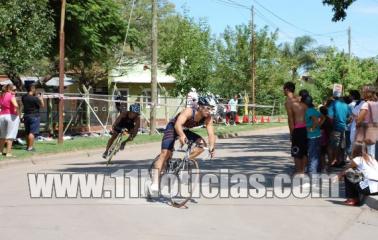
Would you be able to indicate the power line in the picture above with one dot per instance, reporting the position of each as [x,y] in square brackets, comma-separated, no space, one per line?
[258,13]
[293,25]
[235,4]
[239,4]
[272,24]
[127,33]
[282,19]
[229,4]
[363,47]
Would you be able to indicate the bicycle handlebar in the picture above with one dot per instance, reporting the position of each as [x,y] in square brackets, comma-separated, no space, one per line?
[189,143]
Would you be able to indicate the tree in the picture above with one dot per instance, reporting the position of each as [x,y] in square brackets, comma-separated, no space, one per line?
[336,67]
[26,30]
[141,24]
[339,8]
[272,73]
[299,55]
[233,65]
[95,31]
[186,50]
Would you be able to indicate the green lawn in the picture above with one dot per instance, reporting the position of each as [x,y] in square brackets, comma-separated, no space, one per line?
[81,143]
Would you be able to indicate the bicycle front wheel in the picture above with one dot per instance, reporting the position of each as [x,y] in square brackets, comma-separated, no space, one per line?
[114,148]
[182,182]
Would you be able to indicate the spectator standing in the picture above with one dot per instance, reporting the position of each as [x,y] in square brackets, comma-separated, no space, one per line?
[9,120]
[228,113]
[313,135]
[339,112]
[296,111]
[32,104]
[356,97]
[325,132]
[348,144]
[192,98]
[233,108]
[368,112]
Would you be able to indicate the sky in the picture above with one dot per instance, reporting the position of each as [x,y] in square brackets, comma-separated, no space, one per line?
[295,18]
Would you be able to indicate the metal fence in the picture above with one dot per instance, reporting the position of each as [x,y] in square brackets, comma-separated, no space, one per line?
[96,113]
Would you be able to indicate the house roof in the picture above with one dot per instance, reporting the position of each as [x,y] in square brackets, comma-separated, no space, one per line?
[53,82]
[4,80]
[140,73]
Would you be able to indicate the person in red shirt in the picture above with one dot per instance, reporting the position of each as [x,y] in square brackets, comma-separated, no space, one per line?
[9,120]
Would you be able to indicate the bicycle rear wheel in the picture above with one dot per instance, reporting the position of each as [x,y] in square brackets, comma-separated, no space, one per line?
[114,148]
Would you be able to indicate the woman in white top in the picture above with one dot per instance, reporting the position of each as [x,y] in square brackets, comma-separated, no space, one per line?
[364,163]
[355,95]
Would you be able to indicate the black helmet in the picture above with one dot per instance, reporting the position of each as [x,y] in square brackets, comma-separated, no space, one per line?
[206,101]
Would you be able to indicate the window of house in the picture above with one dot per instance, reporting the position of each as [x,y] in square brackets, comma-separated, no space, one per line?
[147,99]
[100,90]
[123,95]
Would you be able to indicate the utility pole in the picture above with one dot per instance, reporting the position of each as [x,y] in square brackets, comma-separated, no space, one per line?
[253,62]
[61,71]
[349,55]
[153,68]
[349,41]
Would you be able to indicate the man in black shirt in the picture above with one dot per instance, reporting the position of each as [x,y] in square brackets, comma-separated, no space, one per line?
[31,104]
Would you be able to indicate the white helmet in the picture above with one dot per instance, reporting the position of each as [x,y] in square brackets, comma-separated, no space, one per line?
[206,101]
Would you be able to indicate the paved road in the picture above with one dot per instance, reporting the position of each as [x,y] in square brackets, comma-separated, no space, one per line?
[265,151]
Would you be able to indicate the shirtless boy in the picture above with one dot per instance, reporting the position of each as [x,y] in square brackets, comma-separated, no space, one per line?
[296,119]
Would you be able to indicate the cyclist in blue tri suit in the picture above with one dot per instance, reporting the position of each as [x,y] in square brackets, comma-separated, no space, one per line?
[178,128]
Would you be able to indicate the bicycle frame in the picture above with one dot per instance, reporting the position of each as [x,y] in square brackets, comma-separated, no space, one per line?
[184,162]
[114,148]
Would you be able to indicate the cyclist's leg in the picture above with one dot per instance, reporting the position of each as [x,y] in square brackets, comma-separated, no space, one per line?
[159,164]
[116,131]
[166,152]
[111,140]
[198,140]
[122,147]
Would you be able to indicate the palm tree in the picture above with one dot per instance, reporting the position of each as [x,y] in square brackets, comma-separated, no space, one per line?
[299,55]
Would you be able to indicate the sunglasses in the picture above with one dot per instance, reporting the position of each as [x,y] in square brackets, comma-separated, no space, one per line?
[208,108]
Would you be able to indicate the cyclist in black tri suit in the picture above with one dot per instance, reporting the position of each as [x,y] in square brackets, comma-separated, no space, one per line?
[179,127]
[129,120]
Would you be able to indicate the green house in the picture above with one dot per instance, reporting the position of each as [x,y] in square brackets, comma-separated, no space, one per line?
[135,86]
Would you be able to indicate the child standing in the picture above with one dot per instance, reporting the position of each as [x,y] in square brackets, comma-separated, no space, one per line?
[325,132]
[313,135]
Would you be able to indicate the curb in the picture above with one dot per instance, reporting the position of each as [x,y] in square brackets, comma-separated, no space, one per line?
[372,202]
[36,159]
[246,133]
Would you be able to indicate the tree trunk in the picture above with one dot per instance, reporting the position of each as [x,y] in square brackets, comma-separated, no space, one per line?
[293,74]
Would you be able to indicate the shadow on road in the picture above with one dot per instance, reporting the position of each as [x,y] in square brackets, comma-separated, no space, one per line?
[246,154]
[258,154]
